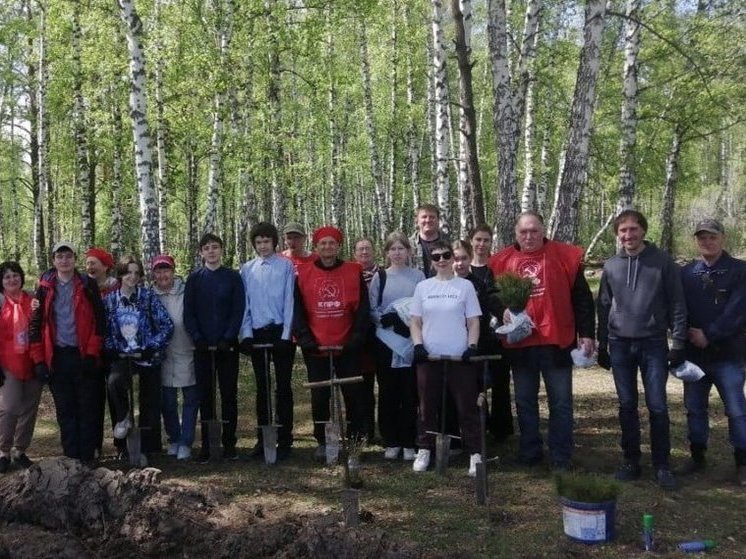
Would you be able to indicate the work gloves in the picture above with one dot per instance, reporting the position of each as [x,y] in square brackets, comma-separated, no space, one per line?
[42,372]
[470,352]
[676,357]
[420,354]
[147,354]
[392,320]
[246,345]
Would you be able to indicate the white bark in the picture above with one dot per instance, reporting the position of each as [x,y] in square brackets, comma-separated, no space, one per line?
[82,168]
[442,123]
[669,191]
[162,184]
[563,225]
[335,188]
[150,242]
[530,198]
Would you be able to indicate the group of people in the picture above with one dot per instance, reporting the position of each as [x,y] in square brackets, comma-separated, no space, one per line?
[87,335]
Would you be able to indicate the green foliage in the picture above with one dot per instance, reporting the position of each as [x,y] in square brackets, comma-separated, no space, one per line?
[586,488]
[514,290]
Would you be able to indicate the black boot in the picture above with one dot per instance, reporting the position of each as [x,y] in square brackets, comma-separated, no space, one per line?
[697,463]
[740,456]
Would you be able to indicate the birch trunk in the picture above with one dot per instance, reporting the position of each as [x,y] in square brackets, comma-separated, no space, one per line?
[413,143]
[381,224]
[277,152]
[471,200]
[45,175]
[530,198]
[248,216]
[150,242]
[335,188]
[442,123]
[563,225]
[117,216]
[162,184]
[394,120]
[629,106]
[669,191]
[82,167]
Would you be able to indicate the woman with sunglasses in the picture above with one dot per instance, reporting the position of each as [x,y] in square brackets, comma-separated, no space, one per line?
[445,321]
[137,324]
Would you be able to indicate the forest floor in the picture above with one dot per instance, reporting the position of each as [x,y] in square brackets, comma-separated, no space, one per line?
[247,509]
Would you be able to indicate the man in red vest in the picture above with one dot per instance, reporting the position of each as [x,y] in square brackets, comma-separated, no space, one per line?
[332,309]
[561,308]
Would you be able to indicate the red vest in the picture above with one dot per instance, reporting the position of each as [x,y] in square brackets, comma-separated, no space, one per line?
[553,269]
[330,298]
[14,349]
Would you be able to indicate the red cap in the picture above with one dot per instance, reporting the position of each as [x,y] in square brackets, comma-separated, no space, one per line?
[163,260]
[105,257]
[327,231]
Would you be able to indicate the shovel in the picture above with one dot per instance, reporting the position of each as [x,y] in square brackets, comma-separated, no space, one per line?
[269,431]
[443,439]
[482,487]
[134,436]
[334,428]
[214,425]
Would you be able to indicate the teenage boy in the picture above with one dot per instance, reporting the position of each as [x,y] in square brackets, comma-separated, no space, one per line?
[66,336]
[269,282]
[639,300]
[214,303]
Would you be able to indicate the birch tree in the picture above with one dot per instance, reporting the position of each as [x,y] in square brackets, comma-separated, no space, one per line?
[162,183]
[669,190]
[138,105]
[442,122]
[563,225]
[82,175]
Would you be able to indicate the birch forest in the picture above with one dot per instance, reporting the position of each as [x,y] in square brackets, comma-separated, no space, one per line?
[138,125]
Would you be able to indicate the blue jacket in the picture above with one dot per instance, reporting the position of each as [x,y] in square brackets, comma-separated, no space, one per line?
[214,303]
[716,301]
[154,326]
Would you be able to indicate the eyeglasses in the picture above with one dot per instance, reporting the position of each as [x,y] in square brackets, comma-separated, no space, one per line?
[438,255]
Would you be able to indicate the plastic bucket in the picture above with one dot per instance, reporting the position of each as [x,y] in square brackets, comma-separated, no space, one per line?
[588,522]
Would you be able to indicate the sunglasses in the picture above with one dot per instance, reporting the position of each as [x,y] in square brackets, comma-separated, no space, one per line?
[438,255]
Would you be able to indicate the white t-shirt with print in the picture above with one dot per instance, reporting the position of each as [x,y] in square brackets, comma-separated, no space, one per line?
[444,306]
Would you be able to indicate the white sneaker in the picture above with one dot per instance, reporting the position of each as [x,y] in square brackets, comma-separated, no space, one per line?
[422,461]
[475,459]
[409,454]
[122,428]
[184,453]
[391,452]
[173,449]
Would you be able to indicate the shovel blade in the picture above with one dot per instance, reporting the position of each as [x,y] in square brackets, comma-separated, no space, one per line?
[214,429]
[481,483]
[134,448]
[442,451]
[331,431]
[269,442]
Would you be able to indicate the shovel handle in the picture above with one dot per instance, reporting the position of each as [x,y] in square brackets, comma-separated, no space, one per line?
[136,355]
[436,357]
[479,358]
[331,348]
[322,383]
[263,346]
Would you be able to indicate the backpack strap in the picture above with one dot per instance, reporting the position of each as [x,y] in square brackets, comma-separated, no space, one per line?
[381,285]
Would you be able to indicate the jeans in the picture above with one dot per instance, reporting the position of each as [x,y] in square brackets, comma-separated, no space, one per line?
[535,362]
[650,355]
[728,378]
[180,432]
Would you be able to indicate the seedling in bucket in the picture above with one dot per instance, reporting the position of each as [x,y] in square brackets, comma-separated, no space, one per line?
[588,506]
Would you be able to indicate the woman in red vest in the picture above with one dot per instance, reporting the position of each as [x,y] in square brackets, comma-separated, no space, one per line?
[332,309]
[20,392]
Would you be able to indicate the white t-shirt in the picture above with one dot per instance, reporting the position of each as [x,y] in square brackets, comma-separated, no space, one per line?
[444,306]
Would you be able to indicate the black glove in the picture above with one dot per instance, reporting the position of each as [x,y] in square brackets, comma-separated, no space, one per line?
[604,359]
[89,363]
[676,357]
[246,345]
[420,354]
[470,352]
[111,355]
[401,328]
[284,345]
[147,354]
[354,344]
[42,372]
[389,319]
[225,346]
[309,346]
[2,377]
[201,346]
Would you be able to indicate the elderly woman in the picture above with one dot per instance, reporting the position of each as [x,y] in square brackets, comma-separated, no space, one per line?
[445,321]
[137,324]
[331,309]
[397,384]
[20,391]
[177,367]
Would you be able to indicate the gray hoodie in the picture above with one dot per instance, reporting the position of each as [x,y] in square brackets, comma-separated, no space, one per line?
[641,296]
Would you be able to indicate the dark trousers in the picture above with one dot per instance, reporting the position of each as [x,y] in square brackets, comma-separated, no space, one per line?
[501,413]
[225,364]
[397,401]
[462,383]
[368,367]
[282,356]
[345,365]
[148,394]
[74,388]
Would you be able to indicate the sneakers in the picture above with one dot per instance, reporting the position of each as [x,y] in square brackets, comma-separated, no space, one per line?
[183,453]
[741,475]
[422,461]
[320,453]
[409,454]
[173,449]
[258,451]
[204,456]
[4,464]
[229,453]
[22,461]
[692,466]
[629,471]
[122,428]
[475,459]
[391,452]
[665,479]
[283,452]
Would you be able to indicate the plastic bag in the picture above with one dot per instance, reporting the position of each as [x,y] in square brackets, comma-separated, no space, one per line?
[688,372]
[519,328]
[581,360]
[402,307]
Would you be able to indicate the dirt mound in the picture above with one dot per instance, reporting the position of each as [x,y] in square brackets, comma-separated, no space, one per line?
[60,508]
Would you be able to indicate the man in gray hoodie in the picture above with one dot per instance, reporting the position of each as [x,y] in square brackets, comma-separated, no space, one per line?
[640,299]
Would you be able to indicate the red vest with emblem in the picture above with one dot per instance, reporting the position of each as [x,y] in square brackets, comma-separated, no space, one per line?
[330,298]
[15,357]
[553,268]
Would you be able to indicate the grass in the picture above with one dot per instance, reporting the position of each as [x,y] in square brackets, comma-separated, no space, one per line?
[523,519]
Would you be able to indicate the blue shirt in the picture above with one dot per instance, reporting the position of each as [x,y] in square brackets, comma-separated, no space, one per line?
[65,334]
[269,284]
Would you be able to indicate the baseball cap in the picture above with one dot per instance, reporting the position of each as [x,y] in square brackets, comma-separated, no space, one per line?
[162,260]
[293,227]
[710,225]
[64,245]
